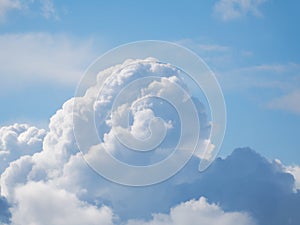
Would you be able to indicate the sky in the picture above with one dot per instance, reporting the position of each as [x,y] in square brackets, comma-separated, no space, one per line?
[250,45]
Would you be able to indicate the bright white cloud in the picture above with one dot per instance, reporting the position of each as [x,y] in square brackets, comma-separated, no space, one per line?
[18,140]
[233,9]
[14,175]
[59,161]
[41,57]
[43,204]
[114,121]
[60,176]
[195,212]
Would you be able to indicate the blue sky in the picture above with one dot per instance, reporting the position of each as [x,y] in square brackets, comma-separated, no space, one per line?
[47,45]
[253,51]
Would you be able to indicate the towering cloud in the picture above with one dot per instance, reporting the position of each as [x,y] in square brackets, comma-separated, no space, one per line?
[45,179]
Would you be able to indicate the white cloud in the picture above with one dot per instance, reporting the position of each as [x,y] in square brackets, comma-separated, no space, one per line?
[18,140]
[14,175]
[59,174]
[114,121]
[295,170]
[289,102]
[250,176]
[233,9]
[195,212]
[59,161]
[41,57]
[43,204]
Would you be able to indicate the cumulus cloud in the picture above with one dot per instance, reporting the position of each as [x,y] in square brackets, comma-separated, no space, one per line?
[53,58]
[139,102]
[16,174]
[247,181]
[59,160]
[18,140]
[233,9]
[44,204]
[242,186]
[241,182]
[196,212]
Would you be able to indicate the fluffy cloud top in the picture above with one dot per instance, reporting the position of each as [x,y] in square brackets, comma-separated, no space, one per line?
[18,140]
[56,182]
[138,108]
[197,212]
[40,203]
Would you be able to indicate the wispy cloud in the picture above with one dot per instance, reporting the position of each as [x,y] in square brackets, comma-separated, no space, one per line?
[8,5]
[217,55]
[284,77]
[203,46]
[278,68]
[33,57]
[280,80]
[233,9]
[46,8]
[289,102]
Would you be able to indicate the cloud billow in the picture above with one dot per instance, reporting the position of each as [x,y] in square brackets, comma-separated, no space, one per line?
[54,185]
[246,181]
[145,117]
